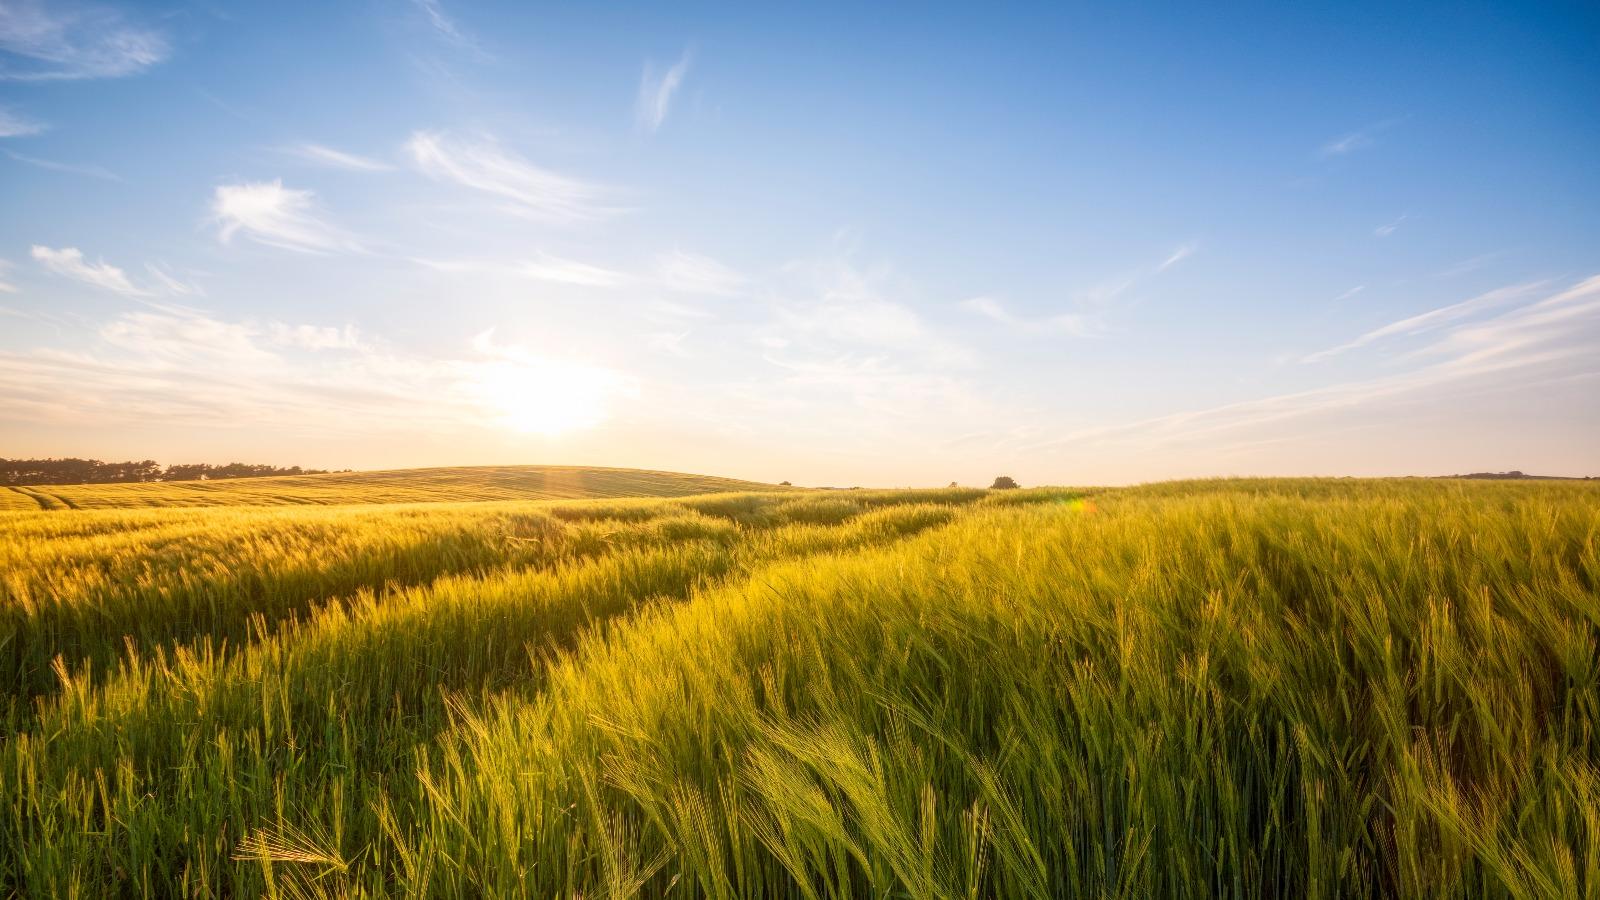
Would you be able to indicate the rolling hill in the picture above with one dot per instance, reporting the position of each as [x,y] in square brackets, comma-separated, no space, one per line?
[392,486]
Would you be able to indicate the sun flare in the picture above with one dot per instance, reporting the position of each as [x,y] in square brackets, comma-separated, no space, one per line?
[548,397]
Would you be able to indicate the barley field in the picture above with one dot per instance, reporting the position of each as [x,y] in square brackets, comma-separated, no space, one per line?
[1260,688]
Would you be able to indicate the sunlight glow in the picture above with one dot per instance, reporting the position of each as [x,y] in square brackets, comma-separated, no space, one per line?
[548,397]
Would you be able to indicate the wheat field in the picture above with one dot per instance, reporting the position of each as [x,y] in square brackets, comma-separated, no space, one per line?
[1263,688]
[466,483]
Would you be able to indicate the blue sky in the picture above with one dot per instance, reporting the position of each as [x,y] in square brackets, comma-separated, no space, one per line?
[834,245]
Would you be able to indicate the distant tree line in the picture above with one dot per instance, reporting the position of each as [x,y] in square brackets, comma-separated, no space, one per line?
[93,471]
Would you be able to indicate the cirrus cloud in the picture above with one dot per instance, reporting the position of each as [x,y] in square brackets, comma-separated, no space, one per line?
[1074,324]
[69,262]
[656,90]
[66,42]
[318,154]
[271,214]
[483,165]
[14,124]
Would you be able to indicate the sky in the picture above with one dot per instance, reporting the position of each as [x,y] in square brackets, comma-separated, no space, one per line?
[843,245]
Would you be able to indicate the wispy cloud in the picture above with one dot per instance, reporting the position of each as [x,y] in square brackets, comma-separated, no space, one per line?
[669,342]
[1090,309]
[1064,323]
[1468,265]
[548,267]
[1349,143]
[656,90]
[167,283]
[6,287]
[315,337]
[678,272]
[337,159]
[1111,289]
[1388,228]
[667,310]
[868,322]
[483,166]
[1568,317]
[87,171]
[446,28]
[1545,342]
[69,262]
[66,41]
[1431,319]
[1361,139]
[186,367]
[182,337]
[879,396]
[271,214]
[230,108]
[1178,255]
[1350,293]
[541,267]
[14,124]
[691,273]
[833,309]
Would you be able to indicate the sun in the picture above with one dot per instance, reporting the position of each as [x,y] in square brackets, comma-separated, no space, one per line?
[548,397]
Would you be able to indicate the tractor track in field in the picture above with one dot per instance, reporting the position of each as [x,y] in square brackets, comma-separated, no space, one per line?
[42,501]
